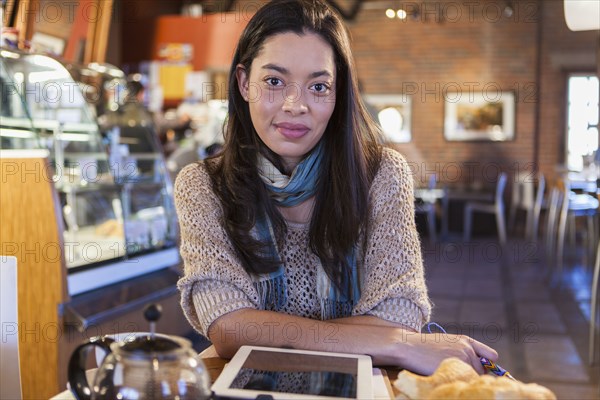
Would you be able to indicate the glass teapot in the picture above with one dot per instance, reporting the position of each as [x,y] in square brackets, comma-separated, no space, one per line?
[143,367]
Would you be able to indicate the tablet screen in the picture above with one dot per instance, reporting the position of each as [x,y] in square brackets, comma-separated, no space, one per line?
[298,373]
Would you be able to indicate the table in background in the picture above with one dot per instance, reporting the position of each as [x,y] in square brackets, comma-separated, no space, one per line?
[447,194]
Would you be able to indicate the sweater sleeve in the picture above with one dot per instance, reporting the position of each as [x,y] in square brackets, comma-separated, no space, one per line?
[214,282]
[393,282]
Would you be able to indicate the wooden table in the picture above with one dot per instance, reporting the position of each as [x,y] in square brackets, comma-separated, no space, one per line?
[215,365]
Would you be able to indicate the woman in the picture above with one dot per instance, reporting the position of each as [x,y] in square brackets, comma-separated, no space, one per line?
[301,233]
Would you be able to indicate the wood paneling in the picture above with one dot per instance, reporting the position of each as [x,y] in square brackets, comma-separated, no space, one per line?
[30,223]
[24,22]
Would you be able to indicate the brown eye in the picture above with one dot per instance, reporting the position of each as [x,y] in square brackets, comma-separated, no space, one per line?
[273,81]
[320,88]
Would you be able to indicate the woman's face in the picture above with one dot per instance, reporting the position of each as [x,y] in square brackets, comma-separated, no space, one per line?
[291,93]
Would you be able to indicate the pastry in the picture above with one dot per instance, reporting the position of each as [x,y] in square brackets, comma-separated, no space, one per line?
[110,227]
[454,379]
[450,370]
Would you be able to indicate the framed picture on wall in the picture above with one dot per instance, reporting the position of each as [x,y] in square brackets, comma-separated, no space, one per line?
[392,112]
[479,116]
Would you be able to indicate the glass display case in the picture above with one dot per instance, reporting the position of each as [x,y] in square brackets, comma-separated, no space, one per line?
[115,195]
[135,156]
[103,85]
[16,128]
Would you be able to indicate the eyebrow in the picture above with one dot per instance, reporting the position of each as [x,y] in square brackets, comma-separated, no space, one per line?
[285,71]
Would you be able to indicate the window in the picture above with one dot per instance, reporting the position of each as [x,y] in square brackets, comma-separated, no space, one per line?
[582,120]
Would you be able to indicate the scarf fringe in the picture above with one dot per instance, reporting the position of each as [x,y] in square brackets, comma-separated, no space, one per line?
[272,292]
[331,309]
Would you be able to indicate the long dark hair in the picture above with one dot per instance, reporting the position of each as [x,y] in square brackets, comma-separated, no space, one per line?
[351,159]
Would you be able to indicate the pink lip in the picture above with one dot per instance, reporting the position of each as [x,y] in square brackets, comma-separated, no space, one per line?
[292,131]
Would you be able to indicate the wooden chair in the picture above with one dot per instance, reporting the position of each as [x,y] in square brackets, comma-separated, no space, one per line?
[496,208]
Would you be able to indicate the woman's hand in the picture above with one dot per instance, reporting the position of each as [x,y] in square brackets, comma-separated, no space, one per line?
[422,353]
[426,350]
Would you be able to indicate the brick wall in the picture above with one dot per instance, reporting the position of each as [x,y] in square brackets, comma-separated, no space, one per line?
[452,44]
[470,46]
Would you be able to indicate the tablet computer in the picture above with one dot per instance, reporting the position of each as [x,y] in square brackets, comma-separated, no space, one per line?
[295,374]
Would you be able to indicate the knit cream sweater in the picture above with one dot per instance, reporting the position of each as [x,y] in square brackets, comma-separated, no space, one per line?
[390,267]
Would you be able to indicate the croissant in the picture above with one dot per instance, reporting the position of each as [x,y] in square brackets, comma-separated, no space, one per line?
[452,369]
[455,379]
[110,227]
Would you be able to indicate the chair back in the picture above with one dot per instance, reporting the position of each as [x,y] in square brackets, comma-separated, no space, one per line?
[554,206]
[522,193]
[10,378]
[565,187]
[534,217]
[432,182]
[539,195]
[500,186]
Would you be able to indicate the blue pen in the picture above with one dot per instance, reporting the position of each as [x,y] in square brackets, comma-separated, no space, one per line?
[495,368]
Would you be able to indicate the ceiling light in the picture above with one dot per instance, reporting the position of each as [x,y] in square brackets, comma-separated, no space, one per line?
[390,13]
[508,10]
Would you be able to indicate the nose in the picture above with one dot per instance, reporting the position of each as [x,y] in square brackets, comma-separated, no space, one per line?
[293,101]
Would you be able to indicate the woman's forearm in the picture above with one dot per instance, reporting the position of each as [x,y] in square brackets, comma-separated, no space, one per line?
[387,345]
[370,320]
[268,328]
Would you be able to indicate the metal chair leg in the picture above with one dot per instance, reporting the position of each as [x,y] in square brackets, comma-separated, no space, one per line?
[431,224]
[529,224]
[593,305]
[467,223]
[590,239]
[560,245]
[512,216]
[550,233]
[501,226]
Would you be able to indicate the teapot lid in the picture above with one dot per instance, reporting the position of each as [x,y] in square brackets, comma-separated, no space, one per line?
[148,344]
[155,346]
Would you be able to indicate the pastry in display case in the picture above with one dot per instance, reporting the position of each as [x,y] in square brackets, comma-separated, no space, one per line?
[135,156]
[115,194]
[96,237]
[63,124]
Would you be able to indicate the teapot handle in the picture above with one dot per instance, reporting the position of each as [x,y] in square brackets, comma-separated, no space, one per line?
[76,372]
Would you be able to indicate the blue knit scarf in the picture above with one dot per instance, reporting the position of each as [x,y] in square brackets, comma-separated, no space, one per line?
[287,192]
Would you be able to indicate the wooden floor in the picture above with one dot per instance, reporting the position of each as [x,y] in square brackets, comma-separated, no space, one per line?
[501,296]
